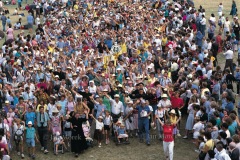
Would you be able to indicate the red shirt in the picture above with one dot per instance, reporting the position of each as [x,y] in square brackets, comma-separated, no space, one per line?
[176,102]
[168,133]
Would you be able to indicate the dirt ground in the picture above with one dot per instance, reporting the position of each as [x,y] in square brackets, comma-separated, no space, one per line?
[184,149]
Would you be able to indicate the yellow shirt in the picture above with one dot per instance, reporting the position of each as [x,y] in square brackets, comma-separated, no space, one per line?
[208,145]
[146,45]
[124,48]
[75,7]
[164,41]
[173,119]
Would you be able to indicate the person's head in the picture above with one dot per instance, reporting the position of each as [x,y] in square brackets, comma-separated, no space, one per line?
[236,138]
[29,124]
[223,135]
[219,146]
[224,126]
[208,135]
[30,109]
[41,109]
[100,118]
[200,139]
[107,112]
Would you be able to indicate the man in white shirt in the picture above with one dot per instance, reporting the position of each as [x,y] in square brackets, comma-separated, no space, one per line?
[229,59]
[117,107]
[203,24]
[226,26]
[221,152]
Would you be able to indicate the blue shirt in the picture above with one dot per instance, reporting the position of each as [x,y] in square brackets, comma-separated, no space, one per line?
[30,116]
[224,103]
[121,131]
[63,106]
[141,109]
[229,106]
[30,19]
[207,106]
[99,108]
[30,132]
[237,76]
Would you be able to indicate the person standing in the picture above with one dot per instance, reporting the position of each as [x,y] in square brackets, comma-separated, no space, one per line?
[168,140]
[4,21]
[10,34]
[233,9]
[143,120]
[229,59]
[78,141]
[203,25]
[43,124]
[30,21]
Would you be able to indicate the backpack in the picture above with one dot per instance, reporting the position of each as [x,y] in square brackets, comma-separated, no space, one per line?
[18,137]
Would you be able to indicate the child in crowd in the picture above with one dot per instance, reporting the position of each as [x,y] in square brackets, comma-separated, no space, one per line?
[98,134]
[18,133]
[196,128]
[160,114]
[58,140]
[107,123]
[122,133]
[67,130]
[200,143]
[30,139]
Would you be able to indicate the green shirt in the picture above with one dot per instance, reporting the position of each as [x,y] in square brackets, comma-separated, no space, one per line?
[107,103]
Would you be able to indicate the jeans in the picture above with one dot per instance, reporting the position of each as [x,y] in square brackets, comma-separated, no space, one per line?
[143,126]
[168,149]
[43,136]
[4,26]
[159,128]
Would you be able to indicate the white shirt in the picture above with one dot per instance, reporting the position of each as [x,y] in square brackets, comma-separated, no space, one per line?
[222,155]
[163,103]
[117,108]
[228,54]
[99,125]
[107,120]
[203,21]
[227,25]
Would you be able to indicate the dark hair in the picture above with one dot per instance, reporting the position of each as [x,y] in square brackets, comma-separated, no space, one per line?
[223,135]
[208,135]
[225,125]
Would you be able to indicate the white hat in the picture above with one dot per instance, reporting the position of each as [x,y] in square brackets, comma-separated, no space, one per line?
[130,102]
[55,110]
[100,117]
[172,111]
[203,97]
[118,69]
[105,90]
[29,123]
[7,102]
[164,96]
[91,81]
[158,49]
[120,85]
[189,76]
[56,76]
[116,95]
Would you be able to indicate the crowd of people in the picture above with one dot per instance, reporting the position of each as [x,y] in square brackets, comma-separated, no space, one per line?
[123,69]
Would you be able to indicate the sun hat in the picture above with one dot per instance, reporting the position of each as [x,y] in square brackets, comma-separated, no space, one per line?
[7,102]
[164,96]
[172,111]
[105,90]
[116,96]
[57,133]
[29,123]
[100,117]
[55,110]
[120,86]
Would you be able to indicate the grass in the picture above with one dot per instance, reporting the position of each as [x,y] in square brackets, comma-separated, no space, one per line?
[184,149]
